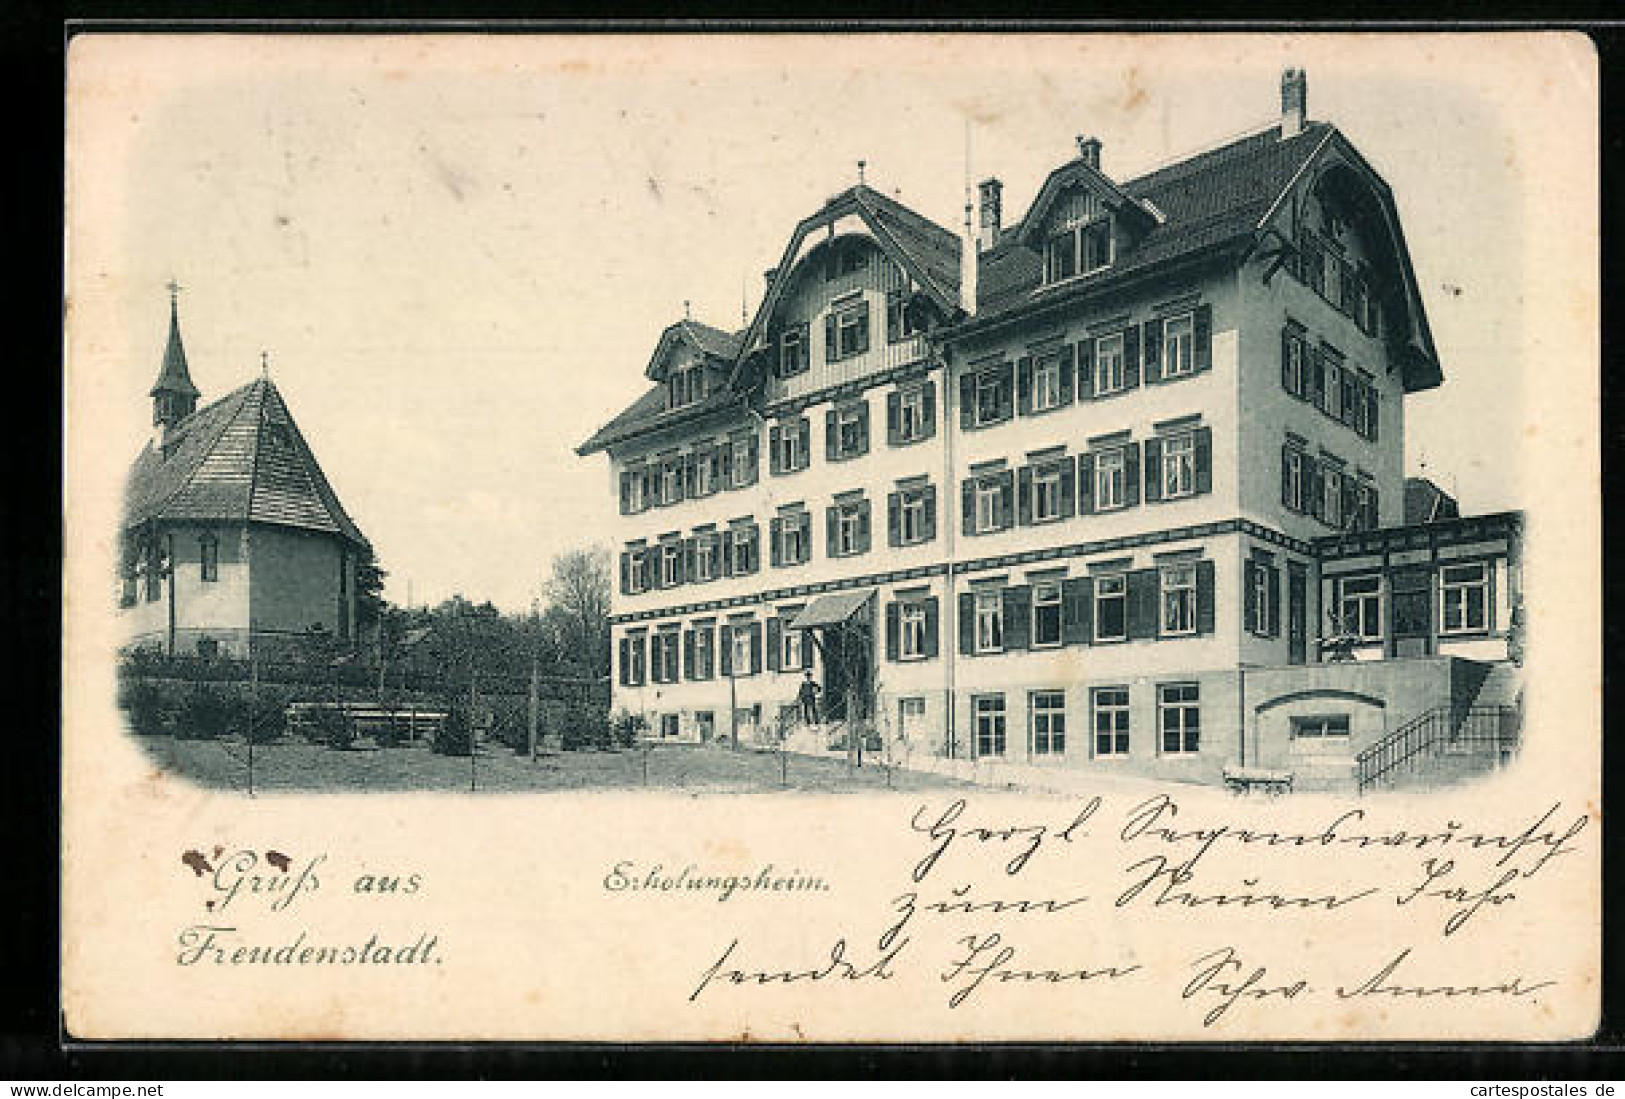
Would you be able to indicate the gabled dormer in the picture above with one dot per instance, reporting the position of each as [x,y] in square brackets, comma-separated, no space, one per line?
[1081,222]
[691,361]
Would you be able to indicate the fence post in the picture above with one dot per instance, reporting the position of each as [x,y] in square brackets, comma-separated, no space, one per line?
[253,698]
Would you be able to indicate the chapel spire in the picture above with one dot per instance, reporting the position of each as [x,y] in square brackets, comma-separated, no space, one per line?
[173,394]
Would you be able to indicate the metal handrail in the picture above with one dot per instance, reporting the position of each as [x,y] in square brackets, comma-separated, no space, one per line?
[1430,733]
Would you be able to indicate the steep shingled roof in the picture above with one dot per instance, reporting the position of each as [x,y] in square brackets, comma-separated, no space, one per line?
[220,464]
[1207,200]
[173,376]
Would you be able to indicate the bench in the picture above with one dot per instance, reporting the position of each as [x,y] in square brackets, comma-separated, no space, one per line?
[1241,780]
[366,718]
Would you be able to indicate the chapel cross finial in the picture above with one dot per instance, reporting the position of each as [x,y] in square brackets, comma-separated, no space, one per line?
[265,364]
[861,165]
[174,290]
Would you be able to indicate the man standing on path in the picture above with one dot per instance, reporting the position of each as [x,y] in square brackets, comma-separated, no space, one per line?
[808,697]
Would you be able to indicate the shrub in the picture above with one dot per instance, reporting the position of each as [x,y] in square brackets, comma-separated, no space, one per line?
[585,726]
[329,726]
[209,710]
[626,727]
[149,708]
[455,737]
[270,713]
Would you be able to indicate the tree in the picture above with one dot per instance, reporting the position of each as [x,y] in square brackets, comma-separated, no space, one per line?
[369,592]
[578,606]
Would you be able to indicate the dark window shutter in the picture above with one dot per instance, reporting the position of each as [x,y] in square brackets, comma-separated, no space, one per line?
[1018,618]
[775,644]
[1086,484]
[1131,357]
[775,437]
[1288,338]
[650,569]
[1249,596]
[626,494]
[1371,413]
[1204,459]
[1204,597]
[930,532]
[1131,475]
[1152,343]
[690,550]
[1007,391]
[892,616]
[689,671]
[863,428]
[755,647]
[1346,495]
[894,519]
[1375,519]
[626,573]
[1143,597]
[1085,354]
[726,544]
[804,353]
[1317,373]
[967,506]
[863,527]
[931,617]
[1077,610]
[690,466]
[1007,499]
[775,536]
[1068,371]
[1275,601]
[832,441]
[1204,337]
[1024,384]
[892,400]
[1153,470]
[1286,478]
[863,326]
[830,349]
[929,420]
[967,623]
[967,401]
[1313,486]
[727,462]
[1069,488]
[753,458]
[625,677]
[832,520]
[1024,497]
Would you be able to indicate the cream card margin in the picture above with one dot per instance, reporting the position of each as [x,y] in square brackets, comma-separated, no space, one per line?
[536,949]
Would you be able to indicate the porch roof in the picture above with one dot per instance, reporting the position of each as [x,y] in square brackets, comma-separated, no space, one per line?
[832,609]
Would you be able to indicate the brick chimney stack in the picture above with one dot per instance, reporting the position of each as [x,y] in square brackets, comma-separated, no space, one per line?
[1089,151]
[1294,102]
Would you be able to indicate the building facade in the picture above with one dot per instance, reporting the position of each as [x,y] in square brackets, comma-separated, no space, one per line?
[233,541]
[1048,492]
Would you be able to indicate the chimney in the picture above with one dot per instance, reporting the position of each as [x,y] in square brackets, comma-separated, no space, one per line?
[1294,102]
[967,261]
[1089,151]
[992,199]
[769,275]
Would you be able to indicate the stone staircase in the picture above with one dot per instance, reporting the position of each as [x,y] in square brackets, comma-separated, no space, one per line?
[1475,733]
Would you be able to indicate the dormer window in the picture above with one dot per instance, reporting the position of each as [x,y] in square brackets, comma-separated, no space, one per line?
[846,330]
[1079,250]
[687,385]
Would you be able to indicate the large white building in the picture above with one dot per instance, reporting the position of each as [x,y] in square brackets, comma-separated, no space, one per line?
[1078,490]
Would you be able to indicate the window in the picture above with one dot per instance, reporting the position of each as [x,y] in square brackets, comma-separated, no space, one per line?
[687,385]
[744,460]
[989,506]
[1464,598]
[1046,615]
[1293,354]
[989,713]
[795,543]
[705,557]
[793,358]
[1178,345]
[634,660]
[1109,364]
[1329,397]
[793,648]
[671,565]
[704,639]
[849,529]
[739,643]
[989,621]
[1361,397]
[1362,606]
[636,570]
[1048,710]
[1319,728]
[157,568]
[849,432]
[852,330]
[789,440]
[1078,250]
[989,397]
[901,321]
[705,481]
[1292,494]
[911,414]
[1260,601]
[744,550]
[663,659]
[1111,721]
[1179,600]
[1046,384]
[1179,716]
[671,481]
[1331,499]
[633,484]
[911,638]
[668,726]
[209,558]
[1111,608]
[1111,480]
[911,517]
[1047,494]
[1178,466]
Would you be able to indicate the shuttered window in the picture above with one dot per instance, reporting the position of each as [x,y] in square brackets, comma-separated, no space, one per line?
[1178,600]
[1111,608]
[989,610]
[793,357]
[1046,625]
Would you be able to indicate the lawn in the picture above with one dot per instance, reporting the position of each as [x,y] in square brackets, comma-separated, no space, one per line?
[299,766]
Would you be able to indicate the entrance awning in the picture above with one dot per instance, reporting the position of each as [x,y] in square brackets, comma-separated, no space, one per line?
[831,610]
